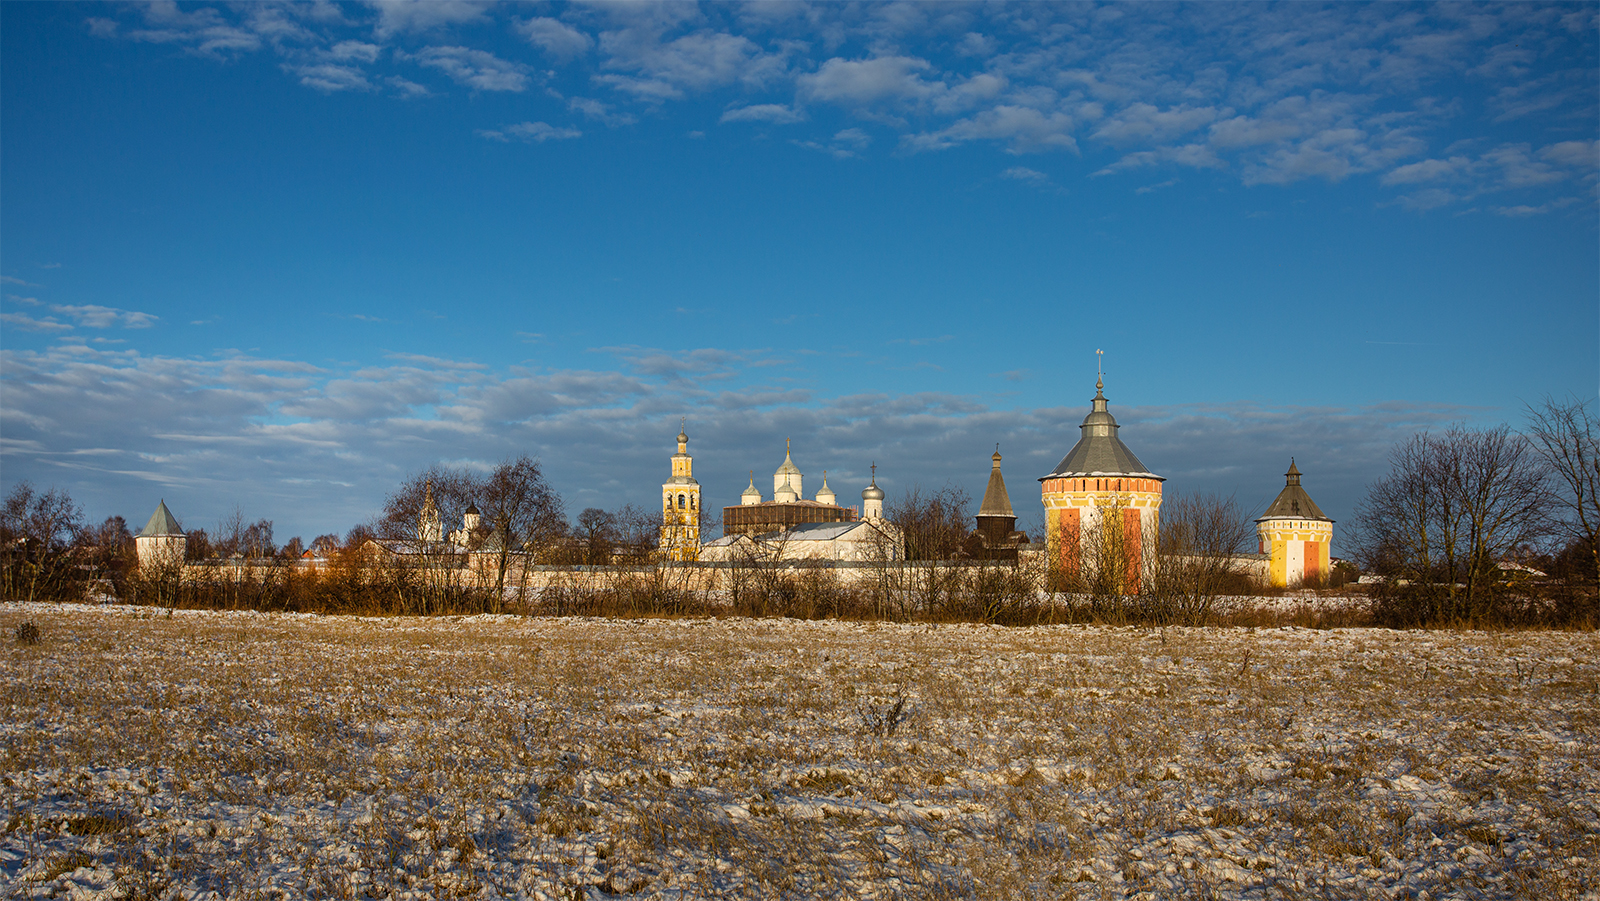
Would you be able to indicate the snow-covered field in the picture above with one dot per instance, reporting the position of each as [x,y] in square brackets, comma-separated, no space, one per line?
[282,756]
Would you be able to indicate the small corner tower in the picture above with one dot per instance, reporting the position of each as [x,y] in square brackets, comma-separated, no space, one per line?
[680,507]
[1101,504]
[161,542]
[752,495]
[1295,535]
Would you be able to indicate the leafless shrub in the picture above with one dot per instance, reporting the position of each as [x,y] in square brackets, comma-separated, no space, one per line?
[27,633]
[883,717]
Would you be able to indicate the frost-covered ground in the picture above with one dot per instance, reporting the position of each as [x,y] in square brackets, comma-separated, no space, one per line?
[246,755]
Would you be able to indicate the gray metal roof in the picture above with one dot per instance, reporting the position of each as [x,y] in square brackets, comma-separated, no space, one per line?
[1099,452]
[996,502]
[1293,502]
[813,531]
[162,522]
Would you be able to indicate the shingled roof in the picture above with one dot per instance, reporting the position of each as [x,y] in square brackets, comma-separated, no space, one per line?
[996,502]
[1099,452]
[1292,501]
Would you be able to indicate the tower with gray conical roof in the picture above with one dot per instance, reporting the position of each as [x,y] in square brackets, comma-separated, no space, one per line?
[162,541]
[1102,505]
[1295,535]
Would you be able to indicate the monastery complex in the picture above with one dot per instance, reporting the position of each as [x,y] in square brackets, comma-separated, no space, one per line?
[1102,508]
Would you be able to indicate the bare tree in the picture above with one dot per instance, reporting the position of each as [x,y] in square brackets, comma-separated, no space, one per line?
[110,552]
[523,512]
[639,532]
[37,531]
[520,511]
[427,576]
[599,533]
[198,545]
[1197,551]
[1567,436]
[256,540]
[359,534]
[1453,506]
[453,491]
[933,526]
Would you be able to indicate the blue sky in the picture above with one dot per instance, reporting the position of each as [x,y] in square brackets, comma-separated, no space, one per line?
[280,256]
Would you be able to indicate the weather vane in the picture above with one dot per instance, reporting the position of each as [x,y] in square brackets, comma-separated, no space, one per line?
[1099,358]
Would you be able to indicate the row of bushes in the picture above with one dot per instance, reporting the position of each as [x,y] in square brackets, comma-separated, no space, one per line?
[356,583]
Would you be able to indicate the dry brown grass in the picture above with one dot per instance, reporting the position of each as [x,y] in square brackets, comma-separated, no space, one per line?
[288,756]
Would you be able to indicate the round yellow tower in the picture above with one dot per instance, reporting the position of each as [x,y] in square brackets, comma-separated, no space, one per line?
[1102,506]
[1295,535]
[680,507]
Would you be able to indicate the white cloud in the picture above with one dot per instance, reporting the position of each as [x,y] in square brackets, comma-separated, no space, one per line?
[775,113]
[556,38]
[846,144]
[401,16]
[1144,123]
[1523,210]
[96,316]
[477,69]
[1581,155]
[1022,129]
[531,132]
[697,61]
[649,89]
[356,51]
[975,91]
[868,81]
[29,324]
[1024,174]
[1151,189]
[329,78]
[405,88]
[1428,199]
[1428,170]
[598,111]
